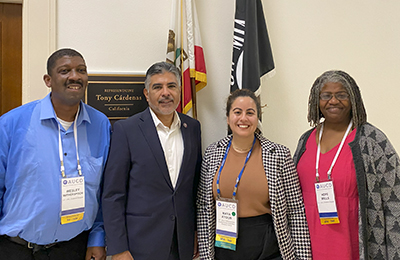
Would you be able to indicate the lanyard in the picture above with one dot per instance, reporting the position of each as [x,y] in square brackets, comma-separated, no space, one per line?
[337,153]
[241,172]
[60,149]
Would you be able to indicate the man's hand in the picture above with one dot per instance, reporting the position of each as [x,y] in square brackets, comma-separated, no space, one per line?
[96,253]
[126,255]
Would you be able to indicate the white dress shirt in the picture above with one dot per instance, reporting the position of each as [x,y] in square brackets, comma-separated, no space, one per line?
[172,144]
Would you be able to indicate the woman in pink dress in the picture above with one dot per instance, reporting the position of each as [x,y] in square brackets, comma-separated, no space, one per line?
[349,175]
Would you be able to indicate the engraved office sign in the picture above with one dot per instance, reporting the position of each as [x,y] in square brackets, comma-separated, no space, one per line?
[117,96]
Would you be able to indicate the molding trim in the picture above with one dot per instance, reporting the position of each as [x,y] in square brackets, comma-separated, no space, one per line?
[11,1]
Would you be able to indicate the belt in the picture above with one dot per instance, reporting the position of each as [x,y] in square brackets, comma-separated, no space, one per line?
[34,247]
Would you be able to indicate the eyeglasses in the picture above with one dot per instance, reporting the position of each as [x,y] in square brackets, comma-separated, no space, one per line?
[339,96]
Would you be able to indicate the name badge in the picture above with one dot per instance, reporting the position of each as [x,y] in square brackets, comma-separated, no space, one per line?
[227,223]
[72,199]
[326,203]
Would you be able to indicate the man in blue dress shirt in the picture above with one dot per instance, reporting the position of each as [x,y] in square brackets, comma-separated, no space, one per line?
[52,155]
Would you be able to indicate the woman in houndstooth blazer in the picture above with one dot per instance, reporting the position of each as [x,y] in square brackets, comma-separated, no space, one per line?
[272,223]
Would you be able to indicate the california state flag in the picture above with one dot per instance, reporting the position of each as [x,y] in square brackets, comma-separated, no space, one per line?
[186,52]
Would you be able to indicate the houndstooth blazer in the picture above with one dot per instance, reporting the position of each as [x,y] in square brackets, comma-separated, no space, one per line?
[285,196]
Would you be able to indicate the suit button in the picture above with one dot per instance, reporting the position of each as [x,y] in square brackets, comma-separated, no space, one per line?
[172,217]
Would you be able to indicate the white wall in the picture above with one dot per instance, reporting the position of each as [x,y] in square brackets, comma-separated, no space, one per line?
[308,37]
[38,42]
[129,36]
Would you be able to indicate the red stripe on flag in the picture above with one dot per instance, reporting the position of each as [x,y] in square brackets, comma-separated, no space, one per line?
[186,90]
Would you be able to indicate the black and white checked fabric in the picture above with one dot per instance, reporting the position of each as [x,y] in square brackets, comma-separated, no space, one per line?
[378,181]
[285,196]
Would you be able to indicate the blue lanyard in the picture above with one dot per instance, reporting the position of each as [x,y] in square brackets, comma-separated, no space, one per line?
[241,172]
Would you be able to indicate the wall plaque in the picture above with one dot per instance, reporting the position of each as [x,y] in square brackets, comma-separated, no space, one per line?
[117,96]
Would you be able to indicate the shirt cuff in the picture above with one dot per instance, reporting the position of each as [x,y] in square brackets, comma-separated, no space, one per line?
[96,238]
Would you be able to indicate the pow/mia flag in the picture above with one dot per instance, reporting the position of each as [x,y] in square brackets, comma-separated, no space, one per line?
[252,55]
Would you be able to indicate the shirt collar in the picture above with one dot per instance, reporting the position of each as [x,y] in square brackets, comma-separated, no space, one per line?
[176,123]
[47,111]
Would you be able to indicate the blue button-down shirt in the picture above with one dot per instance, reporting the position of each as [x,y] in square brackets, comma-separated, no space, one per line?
[30,177]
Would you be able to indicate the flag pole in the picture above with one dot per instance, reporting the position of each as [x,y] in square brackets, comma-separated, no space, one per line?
[194,105]
[181,57]
[181,50]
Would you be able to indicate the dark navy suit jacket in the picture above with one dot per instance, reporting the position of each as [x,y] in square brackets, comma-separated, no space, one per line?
[140,205]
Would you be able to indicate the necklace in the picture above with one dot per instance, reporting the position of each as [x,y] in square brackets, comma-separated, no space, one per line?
[240,150]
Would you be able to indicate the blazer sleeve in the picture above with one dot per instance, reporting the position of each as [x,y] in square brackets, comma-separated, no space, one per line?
[198,166]
[383,180]
[298,227]
[205,210]
[114,198]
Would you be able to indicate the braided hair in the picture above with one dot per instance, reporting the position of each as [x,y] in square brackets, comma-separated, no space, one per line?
[358,113]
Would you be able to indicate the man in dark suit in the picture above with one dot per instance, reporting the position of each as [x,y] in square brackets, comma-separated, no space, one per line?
[151,177]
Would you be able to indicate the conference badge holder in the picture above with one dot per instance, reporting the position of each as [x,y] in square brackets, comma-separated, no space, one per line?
[72,199]
[227,223]
[326,203]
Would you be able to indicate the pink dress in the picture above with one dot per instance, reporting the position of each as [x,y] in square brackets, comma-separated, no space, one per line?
[335,241]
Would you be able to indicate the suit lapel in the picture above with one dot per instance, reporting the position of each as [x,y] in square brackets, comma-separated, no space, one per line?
[187,149]
[149,132]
